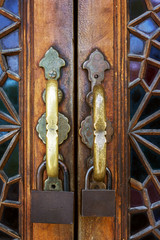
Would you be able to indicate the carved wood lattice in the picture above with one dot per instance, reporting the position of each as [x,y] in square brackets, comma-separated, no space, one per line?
[144,125]
[9,118]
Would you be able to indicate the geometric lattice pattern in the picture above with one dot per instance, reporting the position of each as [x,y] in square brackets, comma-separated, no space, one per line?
[9,119]
[144,125]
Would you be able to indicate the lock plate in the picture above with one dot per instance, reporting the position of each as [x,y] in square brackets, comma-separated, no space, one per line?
[53,184]
[52,207]
[98,203]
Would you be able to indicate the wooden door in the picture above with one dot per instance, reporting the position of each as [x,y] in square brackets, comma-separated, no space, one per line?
[127,34]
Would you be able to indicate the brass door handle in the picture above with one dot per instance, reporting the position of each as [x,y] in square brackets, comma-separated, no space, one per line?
[99,124]
[96,129]
[48,125]
[52,128]
[55,203]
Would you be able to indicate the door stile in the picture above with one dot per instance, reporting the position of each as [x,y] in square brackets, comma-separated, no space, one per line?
[116,112]
[121,118]
[27,120]
[95,31]
[47,23]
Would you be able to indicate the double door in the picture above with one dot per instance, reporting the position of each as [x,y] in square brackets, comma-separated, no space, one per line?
[106,43]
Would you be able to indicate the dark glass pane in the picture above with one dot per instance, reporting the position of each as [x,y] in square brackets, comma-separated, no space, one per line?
[155,53]
[3,107]
[151,72]
[136,45]
[139,221]
[152,106]
[13,63]
[1,70]
[136,198]
[3,133]
[13,192]
[152,157]
[2,122]
[158,86]
[11,40]
[136,95]
[4,22]
[153,193]
[3,148]
[158,178]
[153,125]
[134,70]
[150,237]
[4,236]
[158,39]
[137,170]
[136,8]
[12,5]
[10,218]
[158,13]
[1,186]
[11,87]
[12,166]
[157,214]
[148,26]
[155,139]
[155,2]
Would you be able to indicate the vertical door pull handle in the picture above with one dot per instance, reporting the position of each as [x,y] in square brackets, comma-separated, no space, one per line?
[99,141]
[52,203]
[52,182]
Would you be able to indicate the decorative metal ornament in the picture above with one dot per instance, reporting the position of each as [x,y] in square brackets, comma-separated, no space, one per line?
[52,64]
[87,131]
[63,128]
[96,65]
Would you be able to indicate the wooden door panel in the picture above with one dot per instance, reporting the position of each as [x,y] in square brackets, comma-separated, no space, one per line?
[51,24]
[132,98]
[95,31]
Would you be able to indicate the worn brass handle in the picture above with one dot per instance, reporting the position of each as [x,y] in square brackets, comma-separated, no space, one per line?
[96,130]
[99,124]
[52,128]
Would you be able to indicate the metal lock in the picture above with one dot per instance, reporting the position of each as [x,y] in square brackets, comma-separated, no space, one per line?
[98,202]
[52,206]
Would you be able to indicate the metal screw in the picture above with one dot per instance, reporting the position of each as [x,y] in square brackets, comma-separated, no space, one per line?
[53,74]
[96,76]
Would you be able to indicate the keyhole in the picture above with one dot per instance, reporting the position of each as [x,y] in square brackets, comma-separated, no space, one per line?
[53,186]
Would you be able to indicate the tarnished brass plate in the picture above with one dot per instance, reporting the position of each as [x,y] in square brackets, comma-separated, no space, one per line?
[63,128]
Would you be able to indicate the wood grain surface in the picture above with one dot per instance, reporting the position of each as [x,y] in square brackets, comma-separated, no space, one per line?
[95,30]
[101,24]
[51,24]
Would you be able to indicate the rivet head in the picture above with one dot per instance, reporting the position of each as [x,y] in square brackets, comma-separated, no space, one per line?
[96,76]
[53,74]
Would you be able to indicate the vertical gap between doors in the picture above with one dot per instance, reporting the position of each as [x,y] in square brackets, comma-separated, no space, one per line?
[75,30]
